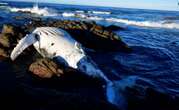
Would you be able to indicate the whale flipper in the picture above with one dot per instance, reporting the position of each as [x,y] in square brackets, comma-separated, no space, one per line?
[22,45]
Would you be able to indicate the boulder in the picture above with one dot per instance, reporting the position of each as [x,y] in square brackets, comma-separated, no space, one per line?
[114,28]
[45,68]
[11,34]
[6,40]
[7,28]
[3,54]
[17,32]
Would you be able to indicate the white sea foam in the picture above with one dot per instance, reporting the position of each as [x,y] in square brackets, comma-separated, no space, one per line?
[79,11]
[72,14]
[160,24]
[95,18]
[80,15]
[66,14]
[35,10]
[99,12]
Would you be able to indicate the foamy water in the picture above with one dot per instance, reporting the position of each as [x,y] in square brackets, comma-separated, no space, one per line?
[151,24]
[95,18]
[99,12]
[36,10]
[66,14]
[95,15]
[159,24]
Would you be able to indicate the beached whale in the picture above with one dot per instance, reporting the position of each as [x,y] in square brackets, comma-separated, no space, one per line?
[52,42]
[56,43]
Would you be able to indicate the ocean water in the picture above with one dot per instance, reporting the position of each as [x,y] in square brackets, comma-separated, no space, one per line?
[152,34]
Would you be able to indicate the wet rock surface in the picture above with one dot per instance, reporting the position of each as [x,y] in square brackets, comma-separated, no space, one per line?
[45,68]
[3,53]
[9,37]
[114,28]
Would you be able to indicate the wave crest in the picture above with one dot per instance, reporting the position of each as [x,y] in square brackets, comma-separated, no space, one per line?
[65,14]
[100,12]
[161,24]
[35,10]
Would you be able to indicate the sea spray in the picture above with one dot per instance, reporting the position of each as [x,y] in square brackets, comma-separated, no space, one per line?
[36,10]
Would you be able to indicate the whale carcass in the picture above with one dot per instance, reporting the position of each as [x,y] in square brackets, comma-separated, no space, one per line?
[52,42]
[55,43]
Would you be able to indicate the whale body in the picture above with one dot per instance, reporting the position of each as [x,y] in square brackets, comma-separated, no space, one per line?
[52,42]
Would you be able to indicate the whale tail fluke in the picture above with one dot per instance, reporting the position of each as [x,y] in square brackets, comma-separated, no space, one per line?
[22,45]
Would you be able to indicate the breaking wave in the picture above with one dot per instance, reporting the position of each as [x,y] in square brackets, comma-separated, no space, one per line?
[35,10]
[93,15]
[80,11]
[152,24]
[65,14]
[95,18]
[160,24]
[99,12]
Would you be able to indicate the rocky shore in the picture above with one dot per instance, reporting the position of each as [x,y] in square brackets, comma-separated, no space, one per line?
[42,84]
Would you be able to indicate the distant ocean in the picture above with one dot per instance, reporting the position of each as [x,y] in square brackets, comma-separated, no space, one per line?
[153,35]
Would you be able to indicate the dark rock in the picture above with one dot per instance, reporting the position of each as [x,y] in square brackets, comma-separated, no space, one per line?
[12,33]
[114,28]
[9,38]
[3,54]
[7,85]
[48,98]
[6,40]
[72,90]
[34,23]
[45,68]
[16,31]
[7,28]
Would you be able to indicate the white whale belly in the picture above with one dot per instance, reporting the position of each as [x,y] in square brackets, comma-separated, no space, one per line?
[58,45]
